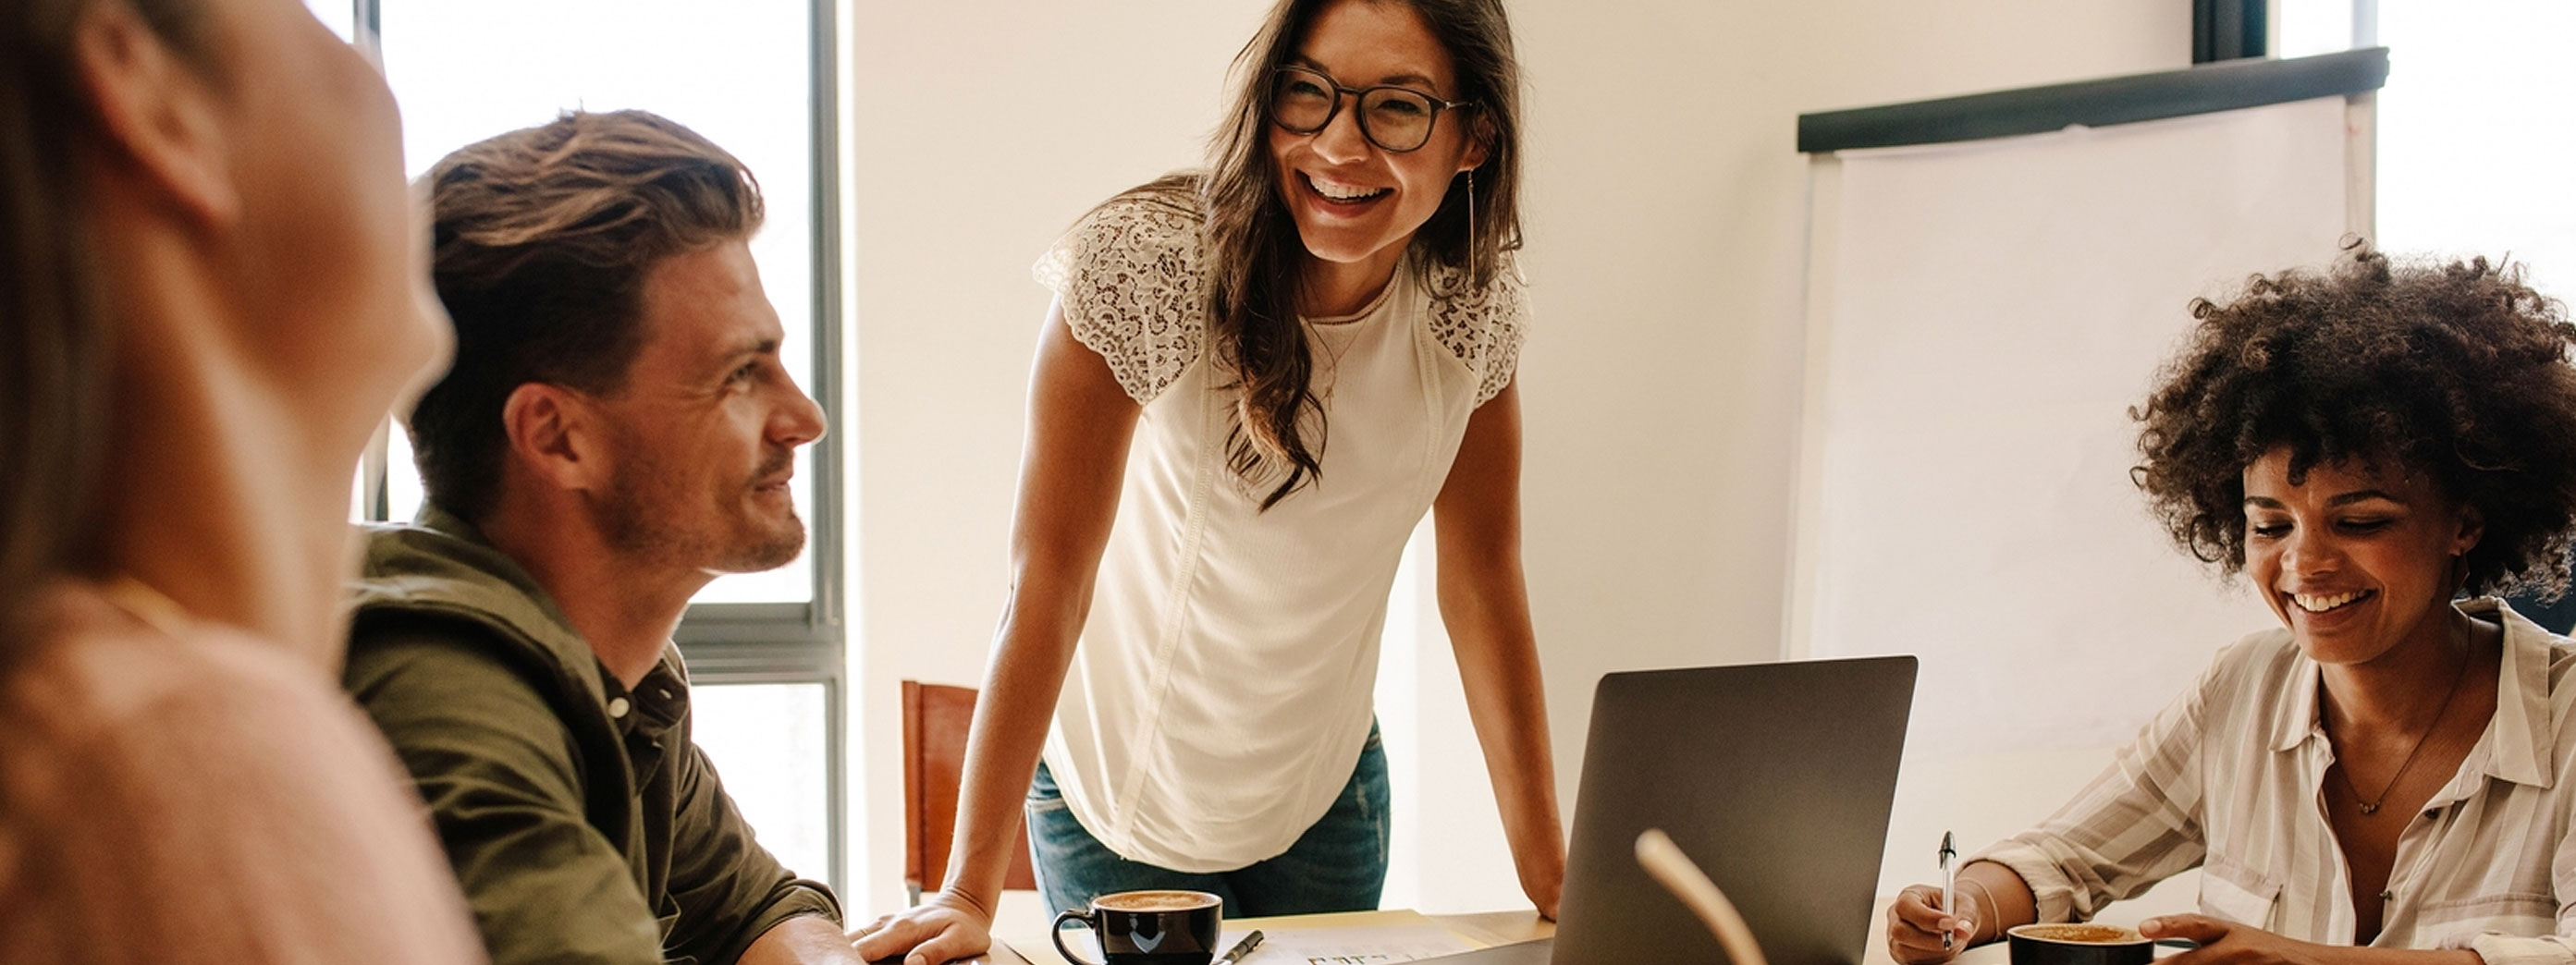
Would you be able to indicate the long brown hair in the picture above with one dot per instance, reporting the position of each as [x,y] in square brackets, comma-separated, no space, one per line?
[55,341]
[1253,244]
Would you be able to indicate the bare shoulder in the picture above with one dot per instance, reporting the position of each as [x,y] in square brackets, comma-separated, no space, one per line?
[225,779]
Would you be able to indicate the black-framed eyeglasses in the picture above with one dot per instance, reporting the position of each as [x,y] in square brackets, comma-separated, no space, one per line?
[1397,119]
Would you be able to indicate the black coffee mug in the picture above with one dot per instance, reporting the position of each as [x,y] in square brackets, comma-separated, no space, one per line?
[1149,927]
[2079,943]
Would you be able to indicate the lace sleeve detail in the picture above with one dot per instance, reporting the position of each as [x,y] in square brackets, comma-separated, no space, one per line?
[1129,276]
[1484,328]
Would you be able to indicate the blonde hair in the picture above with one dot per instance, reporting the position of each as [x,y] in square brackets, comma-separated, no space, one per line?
[57,342]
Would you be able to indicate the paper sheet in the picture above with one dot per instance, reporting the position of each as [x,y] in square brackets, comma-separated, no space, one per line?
[1368,946]
[1355,938]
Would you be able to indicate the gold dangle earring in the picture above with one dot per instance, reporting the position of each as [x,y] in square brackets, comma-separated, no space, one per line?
[1471,222]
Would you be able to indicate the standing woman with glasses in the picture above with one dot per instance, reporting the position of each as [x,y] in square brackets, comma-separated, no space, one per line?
[1253,383]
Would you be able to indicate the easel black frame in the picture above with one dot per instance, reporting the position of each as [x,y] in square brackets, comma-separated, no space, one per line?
[2202,89]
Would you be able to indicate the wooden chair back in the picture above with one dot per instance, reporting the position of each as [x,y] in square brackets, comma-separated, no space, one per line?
[935,720]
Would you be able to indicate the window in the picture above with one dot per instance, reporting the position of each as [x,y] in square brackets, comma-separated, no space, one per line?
[2472,137]
[764,649]
[342,18]
[737,72]
[769,743]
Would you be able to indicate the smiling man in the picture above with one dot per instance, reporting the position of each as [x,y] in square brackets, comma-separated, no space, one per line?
[616,432]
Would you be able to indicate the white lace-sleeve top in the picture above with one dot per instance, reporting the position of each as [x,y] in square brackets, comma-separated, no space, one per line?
[1220,694]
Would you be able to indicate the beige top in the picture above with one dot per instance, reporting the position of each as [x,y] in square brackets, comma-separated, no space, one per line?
[171,792]
[2228,779]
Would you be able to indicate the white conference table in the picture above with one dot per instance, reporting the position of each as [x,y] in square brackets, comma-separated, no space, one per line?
[1493,928]
[1502,927]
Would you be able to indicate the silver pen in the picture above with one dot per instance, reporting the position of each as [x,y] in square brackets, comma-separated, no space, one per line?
[1949,883]
[1240,949]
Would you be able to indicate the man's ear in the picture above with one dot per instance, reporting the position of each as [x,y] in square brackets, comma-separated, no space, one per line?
[156,111]
[552,433]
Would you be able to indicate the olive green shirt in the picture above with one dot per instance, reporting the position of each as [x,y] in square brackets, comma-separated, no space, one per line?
[584,824]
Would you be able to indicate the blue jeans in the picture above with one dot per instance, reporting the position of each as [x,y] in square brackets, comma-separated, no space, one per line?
[1339,864]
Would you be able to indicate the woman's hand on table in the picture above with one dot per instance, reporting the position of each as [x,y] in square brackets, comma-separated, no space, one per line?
[1916,922]
[2228,943]
[1545,886]
[943,928]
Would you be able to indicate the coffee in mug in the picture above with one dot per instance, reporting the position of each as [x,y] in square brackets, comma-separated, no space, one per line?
[1149,927]
[2079,943]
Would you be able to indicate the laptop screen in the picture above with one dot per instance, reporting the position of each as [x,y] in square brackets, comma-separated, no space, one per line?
[1775,778]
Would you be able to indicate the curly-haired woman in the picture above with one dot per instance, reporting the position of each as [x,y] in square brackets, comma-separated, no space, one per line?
[1254,382]
[2388,777]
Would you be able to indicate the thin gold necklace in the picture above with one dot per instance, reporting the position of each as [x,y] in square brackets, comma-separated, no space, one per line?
[149,606]
[2371,806]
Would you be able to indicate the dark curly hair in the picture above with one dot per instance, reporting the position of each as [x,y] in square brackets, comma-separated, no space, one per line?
[2457,370]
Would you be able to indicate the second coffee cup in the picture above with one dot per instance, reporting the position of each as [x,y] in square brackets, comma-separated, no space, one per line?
[1148,927]
[2079,943]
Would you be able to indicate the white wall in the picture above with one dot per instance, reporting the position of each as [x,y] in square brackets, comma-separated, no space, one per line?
[1903,414]
[977,130]
[1665,219]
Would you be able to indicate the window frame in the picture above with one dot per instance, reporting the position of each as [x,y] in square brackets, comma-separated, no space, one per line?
[765,643]
[2230,30]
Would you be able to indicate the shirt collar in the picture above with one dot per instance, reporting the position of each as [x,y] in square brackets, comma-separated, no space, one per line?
[2299,722]
[2517,741]
[2524,740]
[656,704]
[438,518]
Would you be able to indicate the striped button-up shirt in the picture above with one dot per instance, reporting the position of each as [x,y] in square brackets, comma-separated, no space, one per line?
[2229,779]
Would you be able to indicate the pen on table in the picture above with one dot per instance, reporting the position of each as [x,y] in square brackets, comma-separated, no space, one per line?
[1949,883]
[1240,949]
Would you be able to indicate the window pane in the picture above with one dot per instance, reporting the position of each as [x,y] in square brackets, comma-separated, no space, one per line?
[403,495]
[767,742]
[339,15]
[738,72]
[2314,27]
[2473,138]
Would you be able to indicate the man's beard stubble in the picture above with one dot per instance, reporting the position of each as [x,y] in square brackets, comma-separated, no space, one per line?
[646,523]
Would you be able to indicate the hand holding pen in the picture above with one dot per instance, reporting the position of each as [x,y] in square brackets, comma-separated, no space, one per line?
[1949,883]
[1926,925]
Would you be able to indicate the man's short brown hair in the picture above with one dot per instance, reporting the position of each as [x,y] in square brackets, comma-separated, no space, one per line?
[544,237]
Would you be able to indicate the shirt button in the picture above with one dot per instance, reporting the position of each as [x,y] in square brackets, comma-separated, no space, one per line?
[617,708]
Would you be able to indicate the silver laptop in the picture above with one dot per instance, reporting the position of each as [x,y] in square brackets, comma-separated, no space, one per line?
[1776,778]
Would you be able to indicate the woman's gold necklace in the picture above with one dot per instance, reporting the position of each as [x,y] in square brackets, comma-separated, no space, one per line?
[146,605]
[2371,806]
